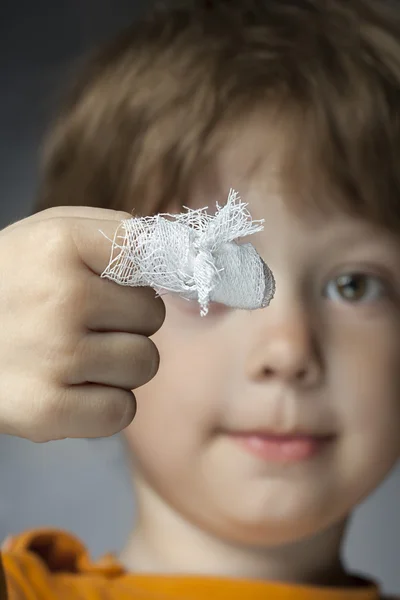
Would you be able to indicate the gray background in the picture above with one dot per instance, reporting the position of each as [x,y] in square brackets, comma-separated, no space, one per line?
[83,486]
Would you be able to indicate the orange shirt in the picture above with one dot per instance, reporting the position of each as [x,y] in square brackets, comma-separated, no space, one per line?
[53,565]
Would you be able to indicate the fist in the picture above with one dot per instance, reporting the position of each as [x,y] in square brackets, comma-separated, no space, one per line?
[73,346]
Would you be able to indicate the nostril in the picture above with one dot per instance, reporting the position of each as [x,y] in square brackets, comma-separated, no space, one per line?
[268,372]
[295,375]
[301,374]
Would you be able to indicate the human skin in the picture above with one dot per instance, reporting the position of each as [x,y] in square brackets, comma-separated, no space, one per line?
[322,361]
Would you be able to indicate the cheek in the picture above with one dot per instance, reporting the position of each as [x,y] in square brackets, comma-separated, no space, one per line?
[365,384]
[194,359]
[179,408]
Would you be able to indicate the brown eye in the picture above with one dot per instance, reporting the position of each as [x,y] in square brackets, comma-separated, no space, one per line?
[354,287]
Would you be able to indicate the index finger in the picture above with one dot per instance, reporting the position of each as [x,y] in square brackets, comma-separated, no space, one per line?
[77,212]
[93,239]
[91,229]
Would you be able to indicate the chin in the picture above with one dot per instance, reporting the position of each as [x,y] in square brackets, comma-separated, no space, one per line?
[272,533]
[274,523]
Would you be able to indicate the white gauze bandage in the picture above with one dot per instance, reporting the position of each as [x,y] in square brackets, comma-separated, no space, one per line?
[195,255]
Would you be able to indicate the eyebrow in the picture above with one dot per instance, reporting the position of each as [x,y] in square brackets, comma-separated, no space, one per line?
[364,237]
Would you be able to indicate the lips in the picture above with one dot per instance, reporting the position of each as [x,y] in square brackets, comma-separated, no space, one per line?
[282,448]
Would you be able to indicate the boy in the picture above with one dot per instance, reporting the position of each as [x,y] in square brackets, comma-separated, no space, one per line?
[262,430]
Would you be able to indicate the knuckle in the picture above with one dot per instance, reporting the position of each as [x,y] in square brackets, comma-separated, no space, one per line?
[47,411]
[73,357]
[55,236]
[45,418]
[77,294]
[54,211]
[120,215]
[62,290]
[71,302]
[42,438]
[61,356]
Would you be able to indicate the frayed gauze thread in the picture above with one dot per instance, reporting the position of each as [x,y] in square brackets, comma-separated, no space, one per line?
[196,255]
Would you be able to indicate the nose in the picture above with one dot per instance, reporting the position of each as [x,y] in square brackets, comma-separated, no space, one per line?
[284,348]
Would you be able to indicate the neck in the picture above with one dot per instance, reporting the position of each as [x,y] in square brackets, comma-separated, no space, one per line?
[163,542]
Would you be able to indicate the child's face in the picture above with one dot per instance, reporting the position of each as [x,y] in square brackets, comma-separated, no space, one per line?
[322,363]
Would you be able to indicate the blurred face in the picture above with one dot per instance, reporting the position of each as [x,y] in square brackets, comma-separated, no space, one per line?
[266,427]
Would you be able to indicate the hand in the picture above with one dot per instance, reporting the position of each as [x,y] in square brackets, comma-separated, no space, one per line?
[72,345]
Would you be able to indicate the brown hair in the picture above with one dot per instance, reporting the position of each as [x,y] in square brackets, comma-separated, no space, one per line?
[150,109]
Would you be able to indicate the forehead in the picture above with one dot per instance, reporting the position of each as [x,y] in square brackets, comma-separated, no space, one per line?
[253,160]
[277,154]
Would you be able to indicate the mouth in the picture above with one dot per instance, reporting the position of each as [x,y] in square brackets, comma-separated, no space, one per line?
[277,448]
